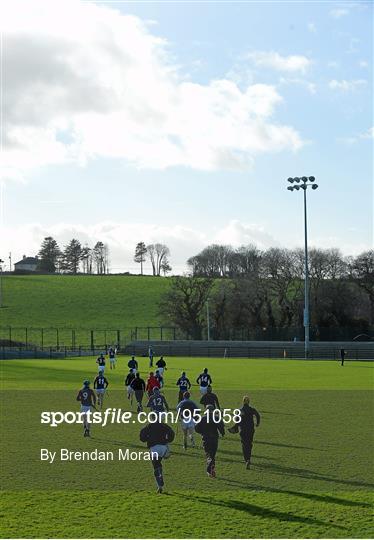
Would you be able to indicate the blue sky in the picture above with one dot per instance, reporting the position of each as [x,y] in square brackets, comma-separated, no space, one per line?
[181,124]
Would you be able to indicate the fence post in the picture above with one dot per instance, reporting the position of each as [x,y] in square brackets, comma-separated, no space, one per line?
[10,334]
[148,333]
[92,339]
[136,333]
[118,338]
[26,336]
[73,339]
[42,336]
[174,333]
[161,332]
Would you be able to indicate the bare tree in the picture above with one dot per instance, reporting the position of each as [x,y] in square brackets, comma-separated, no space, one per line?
[157,253]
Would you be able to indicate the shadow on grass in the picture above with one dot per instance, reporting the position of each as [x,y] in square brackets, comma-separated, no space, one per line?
[260,511]
[306,473]
[283,445]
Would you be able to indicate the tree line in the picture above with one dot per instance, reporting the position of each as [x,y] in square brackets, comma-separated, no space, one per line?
[157,254]
[248,288]
[73,258]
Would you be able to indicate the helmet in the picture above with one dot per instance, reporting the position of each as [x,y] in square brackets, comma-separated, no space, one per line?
[86,382]
[186,395]
[206,370]
[156,390]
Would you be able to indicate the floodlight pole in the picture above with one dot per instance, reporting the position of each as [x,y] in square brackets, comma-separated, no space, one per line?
[306,286]
[208,319]
[305,183]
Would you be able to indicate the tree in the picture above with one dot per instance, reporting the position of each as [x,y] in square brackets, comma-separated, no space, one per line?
[165,266]
[184,304]
[87,260]
[100,255]
[362,272]
[48,255]
[157,253]
[140,253]
[72,256]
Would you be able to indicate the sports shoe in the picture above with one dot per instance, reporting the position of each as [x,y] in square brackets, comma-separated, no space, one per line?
[159,490]
[248,465]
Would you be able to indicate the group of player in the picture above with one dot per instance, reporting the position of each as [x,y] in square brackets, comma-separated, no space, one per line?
[158,435]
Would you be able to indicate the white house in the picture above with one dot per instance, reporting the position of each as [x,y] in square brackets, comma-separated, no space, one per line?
[27,263]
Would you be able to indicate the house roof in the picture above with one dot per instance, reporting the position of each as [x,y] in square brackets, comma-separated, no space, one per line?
[28,260]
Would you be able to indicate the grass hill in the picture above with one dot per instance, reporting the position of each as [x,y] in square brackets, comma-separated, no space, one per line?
[95,302]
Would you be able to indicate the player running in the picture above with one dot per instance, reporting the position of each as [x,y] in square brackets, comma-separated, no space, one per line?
[112,358]
[160,378]
[187,409]
[210,398]
[152,383]
[204,380]
[138,385]
[101,363]
[161,364]
[87,398]
[157,402]
[128,380]
[100,385]
[158,436]
[133,364]
[246,428]
[210,430]
[184,385]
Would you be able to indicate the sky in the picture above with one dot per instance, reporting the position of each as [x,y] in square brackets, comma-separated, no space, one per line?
[180,122]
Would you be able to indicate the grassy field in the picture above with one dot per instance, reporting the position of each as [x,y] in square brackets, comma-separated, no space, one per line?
[117,302]
[312,472]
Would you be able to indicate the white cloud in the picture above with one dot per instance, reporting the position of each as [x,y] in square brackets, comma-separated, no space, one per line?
[347,86]
[83,81]
[363,64]
[122,237]
[311,87]
[274,60]
[368,134]
[337,13]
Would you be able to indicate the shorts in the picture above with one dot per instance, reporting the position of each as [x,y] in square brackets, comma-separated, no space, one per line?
[188,426]
[85,408]
[160,370]
[134,370]
[130,390]
[162,450]
[112,360]
[100,390]
[203,390]
[101,369]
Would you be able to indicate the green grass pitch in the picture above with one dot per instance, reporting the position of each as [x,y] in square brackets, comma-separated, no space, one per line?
[312,472]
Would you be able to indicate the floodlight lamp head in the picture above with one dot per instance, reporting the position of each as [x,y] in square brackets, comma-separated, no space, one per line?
[297,187]
[290,180]
[290,188]
[304,179]
[311,179]
[314,186]
[304,186]
[296,179]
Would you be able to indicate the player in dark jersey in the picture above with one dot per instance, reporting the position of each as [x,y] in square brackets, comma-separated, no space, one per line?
[210,430]
[204,380]
[187,409]
[87,399]
[158,436]
[157,402]
[138,385]
[100,385]
[342,356]
[150,355]
[133,364]
[128,380]
[112,357]
[210,399]
[184,385]
[160,378]
[101,363]
[161,365]
[246,428]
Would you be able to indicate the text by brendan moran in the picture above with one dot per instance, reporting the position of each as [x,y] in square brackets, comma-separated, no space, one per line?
[123,454]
